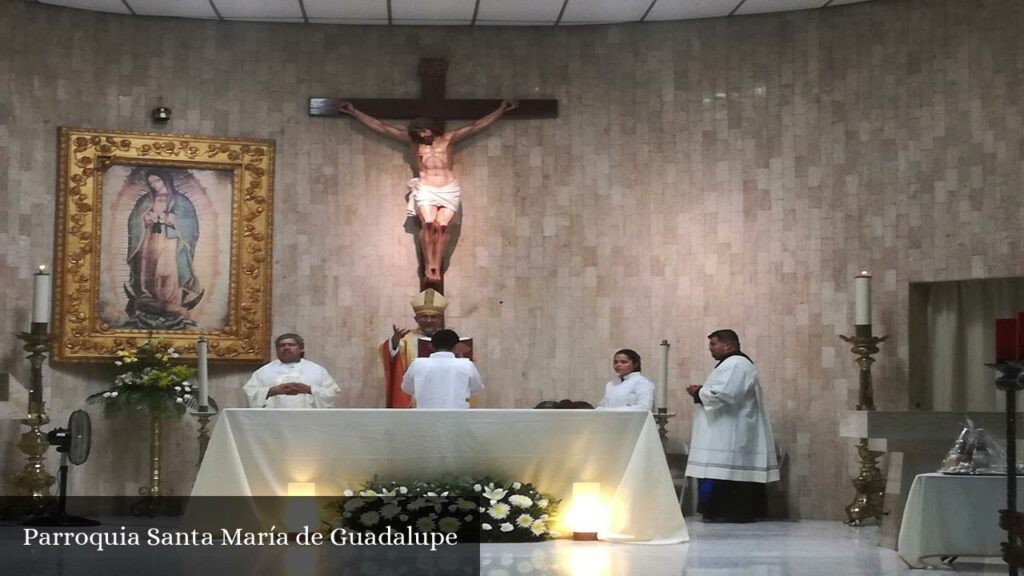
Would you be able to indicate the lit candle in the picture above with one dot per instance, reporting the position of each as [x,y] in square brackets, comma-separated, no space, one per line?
[41,296]
[661,393]
[204,385]
[862,298]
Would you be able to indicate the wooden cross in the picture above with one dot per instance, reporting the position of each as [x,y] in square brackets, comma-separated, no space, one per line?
[432,102]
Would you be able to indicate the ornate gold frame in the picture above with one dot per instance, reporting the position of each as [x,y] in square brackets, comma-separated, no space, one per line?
[79,333]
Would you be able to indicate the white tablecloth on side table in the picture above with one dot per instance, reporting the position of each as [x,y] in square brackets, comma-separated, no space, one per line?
[950,515]
[258,452]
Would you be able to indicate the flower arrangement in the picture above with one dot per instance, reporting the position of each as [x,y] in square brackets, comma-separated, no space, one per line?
[150,381]
[483,510]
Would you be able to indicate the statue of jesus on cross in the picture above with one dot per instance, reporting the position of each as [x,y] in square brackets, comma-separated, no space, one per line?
[434,194]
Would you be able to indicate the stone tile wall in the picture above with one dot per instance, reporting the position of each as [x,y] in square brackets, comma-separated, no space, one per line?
[704,174]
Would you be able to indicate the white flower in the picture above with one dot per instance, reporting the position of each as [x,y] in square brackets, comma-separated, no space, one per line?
[187,396]
[403,490]
[499,511]
[507,527]
[367,493]
[425,524]
[538,527]
[524,521]
[432,494]
[114,394]
[543,502]
[179,400]
[390,510]
[403,517]
[416,504]
[354,504]
[517,485]
[481,509]
[477,487]
[448,524]
[369,518]
[495,493]
[170,350]
[107,394]
[348,493]
[177,388]
[468,518]
[520,501]
[486,526]
[118,363]
[445,493]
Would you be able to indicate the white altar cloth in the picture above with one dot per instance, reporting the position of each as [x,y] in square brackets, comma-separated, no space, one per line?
[952,516]
[258,452]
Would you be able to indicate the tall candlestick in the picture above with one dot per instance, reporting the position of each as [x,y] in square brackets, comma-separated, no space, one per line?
[862,298]
[41,296]
[204,385]
[661,393]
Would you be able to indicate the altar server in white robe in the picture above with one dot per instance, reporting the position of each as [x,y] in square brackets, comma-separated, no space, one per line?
[441,380]
[631,390]
[291,381]
[732,446]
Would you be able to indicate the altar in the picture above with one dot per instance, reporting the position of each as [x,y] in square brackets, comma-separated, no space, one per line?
[258,452]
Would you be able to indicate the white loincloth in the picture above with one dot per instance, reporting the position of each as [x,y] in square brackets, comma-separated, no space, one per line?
[447,196]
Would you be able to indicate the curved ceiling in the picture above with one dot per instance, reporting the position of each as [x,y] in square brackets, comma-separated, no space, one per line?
[447,12]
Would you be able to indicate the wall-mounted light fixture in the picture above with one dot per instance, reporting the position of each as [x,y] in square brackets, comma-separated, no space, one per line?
[161,113]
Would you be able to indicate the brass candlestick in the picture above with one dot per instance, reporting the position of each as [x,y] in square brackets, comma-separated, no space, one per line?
[661,416]
[869,484]
[34,480]
[203,415]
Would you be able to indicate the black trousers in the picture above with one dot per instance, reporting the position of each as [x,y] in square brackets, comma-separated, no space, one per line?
[731,501]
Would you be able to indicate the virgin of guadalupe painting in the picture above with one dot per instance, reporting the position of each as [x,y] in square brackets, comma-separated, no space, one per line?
[163,236]
[163,230]
[167,271]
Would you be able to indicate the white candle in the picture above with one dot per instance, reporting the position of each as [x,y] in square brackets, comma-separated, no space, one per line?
[862,298]
[41,286]
[661,392]
[204,385]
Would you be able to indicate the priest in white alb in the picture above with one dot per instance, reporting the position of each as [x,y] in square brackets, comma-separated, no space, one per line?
[291,381]
[732,448]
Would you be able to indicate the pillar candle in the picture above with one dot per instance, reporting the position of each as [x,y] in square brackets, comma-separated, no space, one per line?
[41,285]
[1020,335]
[204,385]
[661,392]
[862,298]
[1006,339]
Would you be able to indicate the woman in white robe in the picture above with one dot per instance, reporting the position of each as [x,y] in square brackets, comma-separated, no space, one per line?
[631,390]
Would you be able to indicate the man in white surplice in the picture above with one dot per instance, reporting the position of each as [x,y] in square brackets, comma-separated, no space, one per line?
[442,380]
[291,381]
[732,446]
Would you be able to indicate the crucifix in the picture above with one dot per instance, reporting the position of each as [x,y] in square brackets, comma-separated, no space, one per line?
[433,201]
